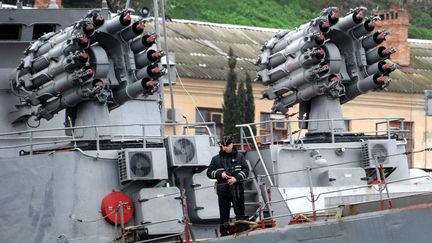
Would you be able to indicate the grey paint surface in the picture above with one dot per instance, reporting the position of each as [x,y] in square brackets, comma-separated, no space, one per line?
[42,194]
[396,226]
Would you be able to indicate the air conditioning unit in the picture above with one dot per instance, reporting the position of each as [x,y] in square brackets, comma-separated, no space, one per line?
[189,150]
[142,164]
[375,152]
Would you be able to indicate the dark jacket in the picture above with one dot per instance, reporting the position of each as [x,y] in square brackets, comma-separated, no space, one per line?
[234,164]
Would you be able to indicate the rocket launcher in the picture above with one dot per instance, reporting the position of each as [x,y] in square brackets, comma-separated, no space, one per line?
[116,63]
[340,58]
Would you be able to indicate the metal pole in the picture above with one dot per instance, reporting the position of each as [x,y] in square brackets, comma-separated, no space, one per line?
[161,87]
[425,141]
[173,115]
[332,131]
[386,187]
[314,214]
[31,143]
[241,138]
[260,156]
[144,137]
[379,184]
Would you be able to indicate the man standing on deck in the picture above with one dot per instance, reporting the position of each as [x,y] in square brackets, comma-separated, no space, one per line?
[230,169]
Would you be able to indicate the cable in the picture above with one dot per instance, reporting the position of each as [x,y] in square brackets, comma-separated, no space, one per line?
[192,98]
[94,220]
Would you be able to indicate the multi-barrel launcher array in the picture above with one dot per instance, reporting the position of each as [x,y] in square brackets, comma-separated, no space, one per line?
[337,57]
[106,61]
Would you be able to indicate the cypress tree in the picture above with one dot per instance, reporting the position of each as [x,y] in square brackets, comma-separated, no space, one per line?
[229,107]
[242,104]
[250,103]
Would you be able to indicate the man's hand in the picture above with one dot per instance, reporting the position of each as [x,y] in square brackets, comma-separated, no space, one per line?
[224,175]
[232,180]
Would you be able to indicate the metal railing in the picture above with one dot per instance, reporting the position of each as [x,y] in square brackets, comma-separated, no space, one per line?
[266,129]
[37,137]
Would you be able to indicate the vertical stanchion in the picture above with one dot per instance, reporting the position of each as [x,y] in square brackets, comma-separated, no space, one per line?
[379,184]
[386,186]
[143,135]
[314,215]
[31,143]
[97,140]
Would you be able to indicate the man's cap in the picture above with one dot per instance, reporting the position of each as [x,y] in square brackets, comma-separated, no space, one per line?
[226,140]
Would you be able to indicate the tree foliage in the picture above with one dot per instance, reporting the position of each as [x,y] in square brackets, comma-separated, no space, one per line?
[250,101]
[229,107]
[288,14]
[242,105]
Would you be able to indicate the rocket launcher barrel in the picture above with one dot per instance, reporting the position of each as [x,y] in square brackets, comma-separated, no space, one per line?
[365,28]
[63,83]
[98,19]
[88,28]
[332,14]
[70,98]
[305,93]
[284,48]
[374,40]
[67,64]
[64,48]
[150,71]
[73,60]
[81,42]
[308,58]
[352,19]
[132,31]
[143,43]
[362,86]
[380,67]
[378,54]
[314,30]
[296,79]
[148,57]
[290,46]
[145,86]
[118,23]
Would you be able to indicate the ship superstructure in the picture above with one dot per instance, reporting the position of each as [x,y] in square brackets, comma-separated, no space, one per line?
[84,156]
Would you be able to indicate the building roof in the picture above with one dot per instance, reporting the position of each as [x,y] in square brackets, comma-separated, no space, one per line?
[201,53]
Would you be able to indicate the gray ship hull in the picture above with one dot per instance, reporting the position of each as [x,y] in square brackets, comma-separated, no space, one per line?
[409,224]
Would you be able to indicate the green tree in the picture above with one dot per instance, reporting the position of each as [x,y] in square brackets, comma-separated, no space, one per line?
[229,107]
[250,103]
[241,103]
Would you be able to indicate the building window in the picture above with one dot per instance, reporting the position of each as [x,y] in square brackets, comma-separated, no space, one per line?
[41,29]
[10,31]
[272,128]
[264,118]
[210,115]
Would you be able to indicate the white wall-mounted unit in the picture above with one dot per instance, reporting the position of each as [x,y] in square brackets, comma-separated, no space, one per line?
[142,164]
[189,150]
[375,152]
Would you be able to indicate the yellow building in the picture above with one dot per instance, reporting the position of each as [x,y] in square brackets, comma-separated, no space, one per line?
[201,61]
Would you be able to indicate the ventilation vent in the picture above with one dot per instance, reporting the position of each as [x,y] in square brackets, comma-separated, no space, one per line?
[142,164]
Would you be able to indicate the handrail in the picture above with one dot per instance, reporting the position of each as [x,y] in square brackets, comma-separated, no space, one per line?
[258,151]
[316,197]
[34,140]
[378,120]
